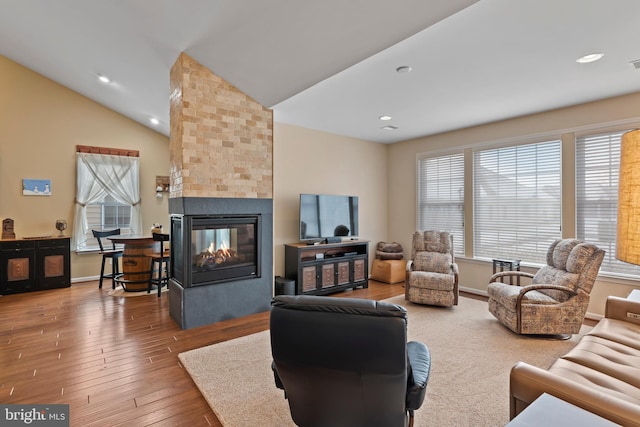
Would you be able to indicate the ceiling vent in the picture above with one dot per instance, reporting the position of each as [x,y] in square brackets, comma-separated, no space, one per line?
[635,64]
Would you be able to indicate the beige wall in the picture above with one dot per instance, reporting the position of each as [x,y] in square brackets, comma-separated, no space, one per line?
[621,112]
[41,122]
[308,161]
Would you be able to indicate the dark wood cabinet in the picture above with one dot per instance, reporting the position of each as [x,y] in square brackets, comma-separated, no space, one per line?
[34,264]
[326,268]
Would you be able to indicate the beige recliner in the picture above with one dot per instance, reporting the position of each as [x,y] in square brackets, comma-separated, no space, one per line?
[556,301]
[432,273]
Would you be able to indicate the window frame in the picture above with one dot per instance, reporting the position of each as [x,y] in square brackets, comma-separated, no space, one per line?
[525,177]
[601,234]
[447,165]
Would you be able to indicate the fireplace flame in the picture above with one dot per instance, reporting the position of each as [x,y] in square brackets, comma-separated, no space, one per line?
[217,256]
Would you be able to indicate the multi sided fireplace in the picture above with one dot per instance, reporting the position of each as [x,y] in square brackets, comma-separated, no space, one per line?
[221,259]
[214,248]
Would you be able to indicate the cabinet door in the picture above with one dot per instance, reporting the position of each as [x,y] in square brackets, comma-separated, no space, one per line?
[359,270]
[18,266]
[328,277]
[343,273]
[308,278]
[53,264]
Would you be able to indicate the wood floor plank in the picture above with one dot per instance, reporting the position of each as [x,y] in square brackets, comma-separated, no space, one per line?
[114,360]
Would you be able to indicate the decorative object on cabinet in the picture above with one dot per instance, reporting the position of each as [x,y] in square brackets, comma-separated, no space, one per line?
[36,187]
[7,229]
[61,225]
[326,268]
[34,264]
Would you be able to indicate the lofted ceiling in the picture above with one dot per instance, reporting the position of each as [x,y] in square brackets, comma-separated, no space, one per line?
[331,65]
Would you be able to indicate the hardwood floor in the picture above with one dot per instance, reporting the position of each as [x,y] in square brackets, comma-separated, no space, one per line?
[114,360]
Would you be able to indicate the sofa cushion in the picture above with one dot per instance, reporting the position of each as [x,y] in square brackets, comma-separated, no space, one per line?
[392,247]
[579,256]
[431,241]
[561,251]
[428,280]
[433,262]
[389,255]
[595,380]
[603,364]
[619,331]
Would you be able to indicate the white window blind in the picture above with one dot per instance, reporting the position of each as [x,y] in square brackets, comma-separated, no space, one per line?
[597,167]
[517,201]
[441,196]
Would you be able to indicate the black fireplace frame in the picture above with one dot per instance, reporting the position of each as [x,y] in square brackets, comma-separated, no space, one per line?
[181,257]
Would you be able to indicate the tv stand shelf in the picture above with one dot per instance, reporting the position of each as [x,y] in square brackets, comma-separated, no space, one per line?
[326,268]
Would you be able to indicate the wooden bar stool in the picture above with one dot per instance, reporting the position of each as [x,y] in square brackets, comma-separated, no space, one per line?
[113,254]
[159,260]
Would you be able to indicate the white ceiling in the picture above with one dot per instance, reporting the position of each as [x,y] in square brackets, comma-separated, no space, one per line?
[330,65]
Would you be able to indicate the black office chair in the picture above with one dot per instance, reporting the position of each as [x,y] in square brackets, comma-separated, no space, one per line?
[159,263]
[346,361]
[113,254]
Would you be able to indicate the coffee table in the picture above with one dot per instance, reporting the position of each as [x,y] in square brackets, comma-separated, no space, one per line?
[549,411]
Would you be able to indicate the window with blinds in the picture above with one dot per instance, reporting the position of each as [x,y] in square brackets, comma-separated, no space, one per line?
[441,196]
[517,201]
[597,167]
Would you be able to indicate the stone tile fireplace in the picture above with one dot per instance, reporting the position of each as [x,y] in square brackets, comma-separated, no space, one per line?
[221,199]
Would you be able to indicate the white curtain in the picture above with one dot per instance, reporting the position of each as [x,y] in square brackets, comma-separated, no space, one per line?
[99,175]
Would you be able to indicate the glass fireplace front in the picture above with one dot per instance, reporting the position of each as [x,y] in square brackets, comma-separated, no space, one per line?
[220,248]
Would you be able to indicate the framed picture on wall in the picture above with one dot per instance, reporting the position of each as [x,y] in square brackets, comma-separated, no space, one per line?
[36,187]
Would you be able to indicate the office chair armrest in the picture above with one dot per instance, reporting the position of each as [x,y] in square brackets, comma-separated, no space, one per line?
[419,367]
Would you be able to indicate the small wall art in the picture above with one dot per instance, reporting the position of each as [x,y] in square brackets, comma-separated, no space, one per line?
[36,187]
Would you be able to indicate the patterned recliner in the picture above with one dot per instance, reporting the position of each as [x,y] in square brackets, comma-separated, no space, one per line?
[556,301]
[432,273]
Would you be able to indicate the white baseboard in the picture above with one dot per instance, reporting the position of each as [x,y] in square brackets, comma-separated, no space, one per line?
[473,291]
[85,279]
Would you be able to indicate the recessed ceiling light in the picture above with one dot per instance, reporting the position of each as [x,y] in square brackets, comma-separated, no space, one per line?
[385,117]
[403,69]
[154,121]
[104,79]
[589,58]
[389,127]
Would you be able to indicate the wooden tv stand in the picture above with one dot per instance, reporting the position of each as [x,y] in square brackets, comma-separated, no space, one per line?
[326,268]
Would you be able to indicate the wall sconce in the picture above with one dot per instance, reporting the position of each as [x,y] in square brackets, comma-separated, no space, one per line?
[162,185]
[628,234]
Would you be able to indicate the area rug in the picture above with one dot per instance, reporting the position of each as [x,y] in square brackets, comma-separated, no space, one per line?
[468,386]
[119,292]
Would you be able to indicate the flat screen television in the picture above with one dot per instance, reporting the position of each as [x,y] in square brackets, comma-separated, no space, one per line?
[325,216]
